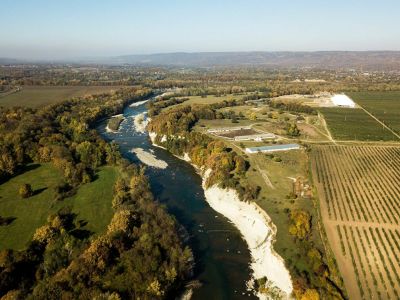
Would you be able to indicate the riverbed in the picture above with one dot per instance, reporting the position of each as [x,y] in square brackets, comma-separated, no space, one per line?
[222,257]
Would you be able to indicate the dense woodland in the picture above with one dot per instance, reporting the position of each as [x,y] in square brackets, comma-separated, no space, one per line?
[140,256]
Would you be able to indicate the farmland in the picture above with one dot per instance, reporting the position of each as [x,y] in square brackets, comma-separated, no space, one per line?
[36,96]
[383,105]
[359,200]
[354,124]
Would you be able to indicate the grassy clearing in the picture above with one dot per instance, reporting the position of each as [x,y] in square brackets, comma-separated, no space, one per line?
[92,203]
[383,105]
[274,201]
[36,96]
[354,124]
[210,99]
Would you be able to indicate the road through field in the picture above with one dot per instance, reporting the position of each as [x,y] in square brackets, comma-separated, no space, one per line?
[380,122]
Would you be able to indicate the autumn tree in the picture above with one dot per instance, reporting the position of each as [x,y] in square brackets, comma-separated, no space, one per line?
[292,129]
[25,190]
[300,224]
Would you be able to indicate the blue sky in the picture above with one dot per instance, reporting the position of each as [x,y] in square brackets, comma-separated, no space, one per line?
[88,28]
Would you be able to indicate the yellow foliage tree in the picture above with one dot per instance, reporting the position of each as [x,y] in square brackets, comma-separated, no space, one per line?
[301,224]
[310,294]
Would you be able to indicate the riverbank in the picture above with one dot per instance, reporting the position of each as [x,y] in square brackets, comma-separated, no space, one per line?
[255,227]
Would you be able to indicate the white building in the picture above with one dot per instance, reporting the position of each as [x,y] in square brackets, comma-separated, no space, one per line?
[227,129]
[273,148]
[342,100]
[255,137]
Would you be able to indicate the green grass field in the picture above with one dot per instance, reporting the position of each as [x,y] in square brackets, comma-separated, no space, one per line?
[36,96]
[92,203]
[354,124]
[210,99]
[383,105]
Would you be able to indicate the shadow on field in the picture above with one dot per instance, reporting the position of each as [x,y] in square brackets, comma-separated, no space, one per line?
[38,191]
[20,171]
[81,233]
[28,168]
[6,221]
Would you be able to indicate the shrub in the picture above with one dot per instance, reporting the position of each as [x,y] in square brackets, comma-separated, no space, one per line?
[25,191]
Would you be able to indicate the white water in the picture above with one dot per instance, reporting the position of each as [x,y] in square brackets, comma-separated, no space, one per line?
[140,121]
[138,103]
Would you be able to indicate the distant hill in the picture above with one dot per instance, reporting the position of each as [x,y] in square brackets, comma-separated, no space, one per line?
[366,60]
[8,61]
[388,60]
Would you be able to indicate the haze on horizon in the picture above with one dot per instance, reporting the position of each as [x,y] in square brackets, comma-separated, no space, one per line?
[46,29]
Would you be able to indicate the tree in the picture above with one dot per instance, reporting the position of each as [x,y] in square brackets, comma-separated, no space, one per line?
[300,224]
[292,130]
[253,116]
[25,191]
[89,154]
[310,294]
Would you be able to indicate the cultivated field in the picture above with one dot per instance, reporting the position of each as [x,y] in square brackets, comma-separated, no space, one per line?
[355,124]
[360,207]
[36,96]
[383,105]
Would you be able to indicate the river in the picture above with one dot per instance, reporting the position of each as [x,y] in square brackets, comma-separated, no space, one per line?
[221,255]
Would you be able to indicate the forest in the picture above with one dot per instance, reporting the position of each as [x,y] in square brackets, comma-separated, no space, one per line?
[140,255]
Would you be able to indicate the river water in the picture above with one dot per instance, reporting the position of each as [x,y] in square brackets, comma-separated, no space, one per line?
[221,256]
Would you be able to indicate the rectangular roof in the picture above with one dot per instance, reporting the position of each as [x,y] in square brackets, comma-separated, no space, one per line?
[274,147]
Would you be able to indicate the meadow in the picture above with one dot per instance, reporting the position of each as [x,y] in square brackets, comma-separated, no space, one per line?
[383,105]
[91,203]
[354,124]
[37,96]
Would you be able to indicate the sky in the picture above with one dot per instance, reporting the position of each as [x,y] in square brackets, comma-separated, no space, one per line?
[49,29]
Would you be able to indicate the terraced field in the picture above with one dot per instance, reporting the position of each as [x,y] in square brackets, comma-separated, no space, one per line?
[360,206]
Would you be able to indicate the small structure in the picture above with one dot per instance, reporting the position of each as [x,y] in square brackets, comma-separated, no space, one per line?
[301,188]
[227,129]
[342,100]
[273,148]
[255,137]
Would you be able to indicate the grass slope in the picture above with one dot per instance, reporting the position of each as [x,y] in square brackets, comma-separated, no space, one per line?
[36,96]
[92,203]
